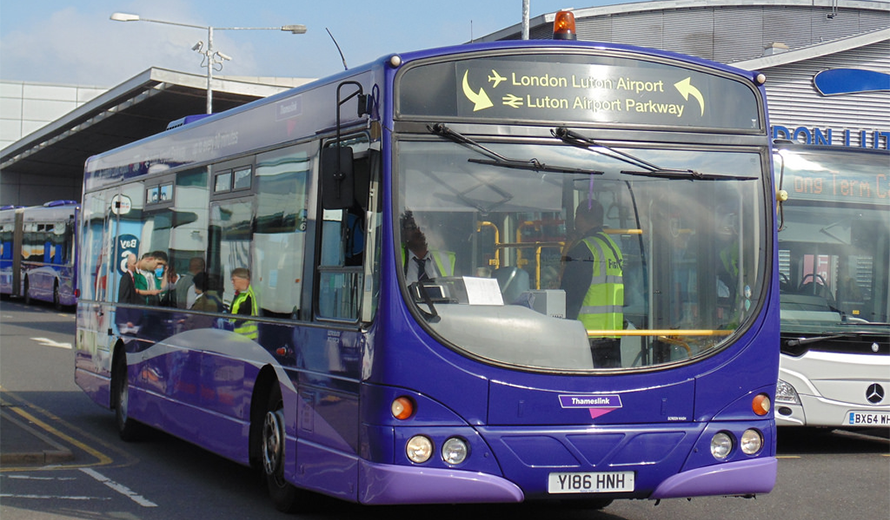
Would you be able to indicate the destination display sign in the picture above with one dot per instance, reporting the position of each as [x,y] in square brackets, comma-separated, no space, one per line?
[572,88]
[863,184]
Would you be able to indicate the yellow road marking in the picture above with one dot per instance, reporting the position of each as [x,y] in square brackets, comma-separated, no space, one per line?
[102,459]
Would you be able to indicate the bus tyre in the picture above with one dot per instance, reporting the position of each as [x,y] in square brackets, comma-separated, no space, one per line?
[57,298]
[284,495]
[127,428]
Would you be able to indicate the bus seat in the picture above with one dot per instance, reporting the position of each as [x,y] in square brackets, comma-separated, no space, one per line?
[513,281]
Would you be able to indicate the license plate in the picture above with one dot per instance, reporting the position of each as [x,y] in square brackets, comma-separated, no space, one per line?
[867,419]
[600,482]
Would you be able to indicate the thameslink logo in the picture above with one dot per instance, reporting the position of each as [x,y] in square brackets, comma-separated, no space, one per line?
[290,108]
[597,404]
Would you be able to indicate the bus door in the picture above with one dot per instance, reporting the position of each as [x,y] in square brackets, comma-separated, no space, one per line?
[102,253]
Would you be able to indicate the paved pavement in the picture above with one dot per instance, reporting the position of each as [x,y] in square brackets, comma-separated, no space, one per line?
[24,444]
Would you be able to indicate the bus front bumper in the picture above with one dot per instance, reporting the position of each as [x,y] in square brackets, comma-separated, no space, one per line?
[721,479]
[384,484]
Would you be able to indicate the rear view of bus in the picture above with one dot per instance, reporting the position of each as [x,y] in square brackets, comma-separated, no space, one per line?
[834,264]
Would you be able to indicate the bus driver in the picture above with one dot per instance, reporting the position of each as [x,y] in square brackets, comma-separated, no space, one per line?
[420,262]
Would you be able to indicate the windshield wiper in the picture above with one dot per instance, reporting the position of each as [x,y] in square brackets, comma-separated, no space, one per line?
[575,139]
[692,175]
[816,339]
[649,169]
[497,159]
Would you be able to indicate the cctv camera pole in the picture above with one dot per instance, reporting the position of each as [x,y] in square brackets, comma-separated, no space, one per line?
[210,70]
[525,21]
[211,56]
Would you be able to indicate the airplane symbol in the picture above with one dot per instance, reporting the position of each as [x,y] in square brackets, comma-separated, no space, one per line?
[512,100]
[497,78]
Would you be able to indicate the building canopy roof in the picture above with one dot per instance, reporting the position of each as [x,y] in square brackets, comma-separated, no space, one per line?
[137,108]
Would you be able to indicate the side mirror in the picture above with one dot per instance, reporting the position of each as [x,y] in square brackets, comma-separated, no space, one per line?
[337,177]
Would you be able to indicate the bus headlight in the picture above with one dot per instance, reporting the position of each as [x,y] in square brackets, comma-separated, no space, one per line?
[785,393]
[419,449]
[752,441]
[455,451]
[721,445]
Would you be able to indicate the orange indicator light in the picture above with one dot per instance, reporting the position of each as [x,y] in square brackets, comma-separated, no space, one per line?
[402,408]
[564,26]
[761,404]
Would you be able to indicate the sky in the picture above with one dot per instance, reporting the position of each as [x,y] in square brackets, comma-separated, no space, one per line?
[74,42]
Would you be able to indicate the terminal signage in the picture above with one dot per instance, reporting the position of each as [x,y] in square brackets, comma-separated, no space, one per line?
[561,88]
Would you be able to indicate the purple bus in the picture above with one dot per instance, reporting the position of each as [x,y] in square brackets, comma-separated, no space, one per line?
[38,252]
[344,367]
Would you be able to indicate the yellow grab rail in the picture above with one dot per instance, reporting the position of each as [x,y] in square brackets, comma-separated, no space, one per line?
[660,332]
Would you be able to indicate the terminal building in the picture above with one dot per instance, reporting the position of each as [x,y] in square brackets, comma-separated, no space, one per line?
[48,131]
[827,64]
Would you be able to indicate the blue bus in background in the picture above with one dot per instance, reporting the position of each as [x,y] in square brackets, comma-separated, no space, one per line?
[353,379]
[38,252]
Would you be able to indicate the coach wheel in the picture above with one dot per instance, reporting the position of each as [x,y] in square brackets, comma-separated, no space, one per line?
[127,428]
[284,495]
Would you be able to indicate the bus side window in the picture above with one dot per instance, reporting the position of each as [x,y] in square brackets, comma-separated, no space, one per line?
[282,186]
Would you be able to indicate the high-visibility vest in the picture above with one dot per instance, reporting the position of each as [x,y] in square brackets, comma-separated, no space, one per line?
[729,255]
[601,308]
[444,260]
[247,328]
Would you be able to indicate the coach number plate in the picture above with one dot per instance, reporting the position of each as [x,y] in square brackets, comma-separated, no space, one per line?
[602,482]
[868,419]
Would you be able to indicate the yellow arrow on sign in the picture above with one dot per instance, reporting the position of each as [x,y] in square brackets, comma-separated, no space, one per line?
[685,87]
[480,100]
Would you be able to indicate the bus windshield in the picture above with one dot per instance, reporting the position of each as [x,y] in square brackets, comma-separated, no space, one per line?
[834,250]
[505,224]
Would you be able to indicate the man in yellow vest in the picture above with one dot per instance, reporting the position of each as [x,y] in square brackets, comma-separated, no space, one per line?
[244,304]
[420,262]
[594,285]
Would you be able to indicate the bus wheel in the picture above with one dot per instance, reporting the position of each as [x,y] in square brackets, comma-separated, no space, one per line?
[127,428]
[57,299]
[284,495]
[27,292]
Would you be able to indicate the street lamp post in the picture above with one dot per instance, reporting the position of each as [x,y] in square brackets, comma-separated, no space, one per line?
[212,56]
